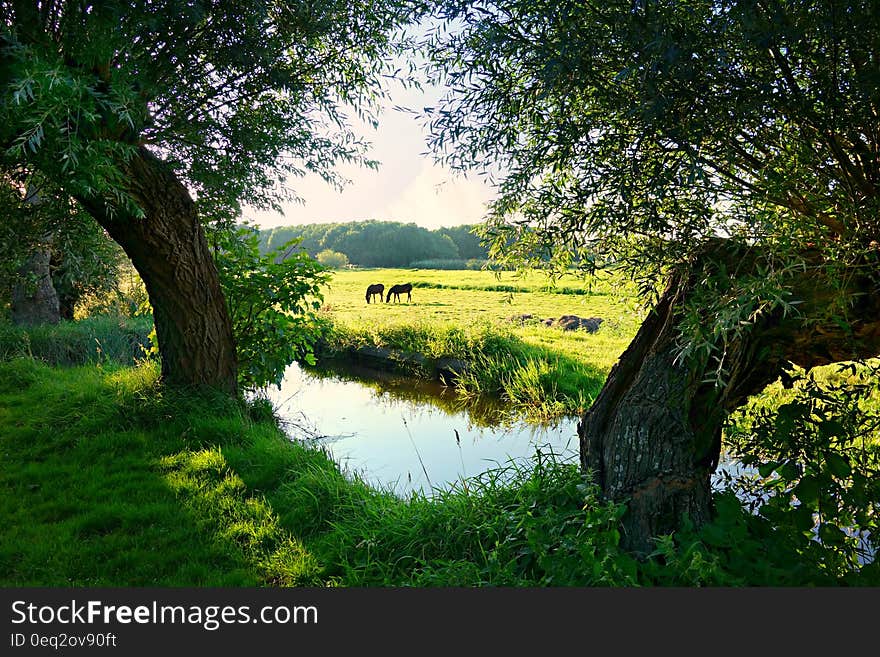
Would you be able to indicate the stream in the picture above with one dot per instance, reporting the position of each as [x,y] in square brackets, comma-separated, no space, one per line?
[403,435]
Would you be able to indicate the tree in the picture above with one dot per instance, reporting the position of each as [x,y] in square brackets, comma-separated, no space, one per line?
[728,147]
[134,109]
[332,259]
[467,242]
[26,238]
[52,252]
[367,243]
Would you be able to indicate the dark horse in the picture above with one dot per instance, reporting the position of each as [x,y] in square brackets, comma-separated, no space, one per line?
[397,290]
[375,289]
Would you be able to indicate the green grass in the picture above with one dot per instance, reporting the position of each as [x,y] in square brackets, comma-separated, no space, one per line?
[539,371]
[98,339]
[110,479]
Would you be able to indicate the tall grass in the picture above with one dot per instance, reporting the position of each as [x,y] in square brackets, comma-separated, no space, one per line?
[99,339]
[537,525]
[533,380]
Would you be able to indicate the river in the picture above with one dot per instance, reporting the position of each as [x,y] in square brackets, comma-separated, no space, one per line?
[403,434]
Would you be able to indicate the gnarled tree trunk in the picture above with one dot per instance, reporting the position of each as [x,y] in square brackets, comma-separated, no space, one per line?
[34,300]
[653,436]
[169,250]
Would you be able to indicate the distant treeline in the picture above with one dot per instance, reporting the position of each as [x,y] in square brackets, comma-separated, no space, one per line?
[382,243]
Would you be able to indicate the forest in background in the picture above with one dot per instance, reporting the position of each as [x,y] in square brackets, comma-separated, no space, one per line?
[384,243]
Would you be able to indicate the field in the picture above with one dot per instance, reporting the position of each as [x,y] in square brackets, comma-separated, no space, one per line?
[113,479]
[542,371]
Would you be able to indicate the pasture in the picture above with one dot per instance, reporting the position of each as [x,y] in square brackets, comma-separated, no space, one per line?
[541,370]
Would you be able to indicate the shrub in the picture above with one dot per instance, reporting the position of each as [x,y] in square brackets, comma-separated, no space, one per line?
[332,259]
[272,305]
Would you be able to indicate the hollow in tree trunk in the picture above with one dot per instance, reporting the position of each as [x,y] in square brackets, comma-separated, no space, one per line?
[169,250]
[652,438]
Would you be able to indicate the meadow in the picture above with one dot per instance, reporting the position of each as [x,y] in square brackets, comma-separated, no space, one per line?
[541,371]
[112,479]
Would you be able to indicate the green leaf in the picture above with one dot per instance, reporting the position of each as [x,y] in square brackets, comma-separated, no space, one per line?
[807,491]
[803,518]
[838,464]
[830,429]
[789,471]
[831,534]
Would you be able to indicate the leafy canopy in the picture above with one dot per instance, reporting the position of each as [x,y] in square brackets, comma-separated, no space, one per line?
[642,129]
[237,96]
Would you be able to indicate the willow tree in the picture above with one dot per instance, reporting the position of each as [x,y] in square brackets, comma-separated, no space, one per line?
[52,253]
[729,149]
[157,115]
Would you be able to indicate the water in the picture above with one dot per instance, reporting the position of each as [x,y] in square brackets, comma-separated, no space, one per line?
[404,434]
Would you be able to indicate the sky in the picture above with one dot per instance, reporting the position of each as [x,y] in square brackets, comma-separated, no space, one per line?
[407,187]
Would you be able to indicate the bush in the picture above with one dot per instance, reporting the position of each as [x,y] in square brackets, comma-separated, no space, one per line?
[272,306]
[813,464]
[332,259]
[127,299]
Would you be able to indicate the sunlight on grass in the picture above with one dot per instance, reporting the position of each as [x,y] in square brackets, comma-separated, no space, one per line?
[107,480]
[541,371]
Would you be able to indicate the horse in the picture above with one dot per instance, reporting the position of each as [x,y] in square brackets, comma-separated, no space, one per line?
[375,289]
[397,290]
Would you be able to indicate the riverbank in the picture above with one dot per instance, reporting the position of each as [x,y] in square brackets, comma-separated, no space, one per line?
[491,328]
[110,479]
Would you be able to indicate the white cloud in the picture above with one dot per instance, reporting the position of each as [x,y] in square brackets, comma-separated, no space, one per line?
[436,197]
[407,187]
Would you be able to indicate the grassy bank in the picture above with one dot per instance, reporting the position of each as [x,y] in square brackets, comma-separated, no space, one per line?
[95,340]
[540,371]
[109,479]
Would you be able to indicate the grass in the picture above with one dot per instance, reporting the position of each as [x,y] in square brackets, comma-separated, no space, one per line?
[110,479]
[540,371]
[94,340]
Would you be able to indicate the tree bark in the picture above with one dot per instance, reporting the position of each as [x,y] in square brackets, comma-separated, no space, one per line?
[652,438]
[34,300]
[169,250]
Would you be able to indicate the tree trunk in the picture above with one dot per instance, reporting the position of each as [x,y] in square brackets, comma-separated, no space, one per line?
[169,250]
[653,436]
[34,300]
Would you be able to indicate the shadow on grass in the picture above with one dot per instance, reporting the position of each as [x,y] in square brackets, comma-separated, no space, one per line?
[109,482]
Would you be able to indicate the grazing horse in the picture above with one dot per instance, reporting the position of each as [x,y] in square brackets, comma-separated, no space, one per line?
[375,289]
[397,290]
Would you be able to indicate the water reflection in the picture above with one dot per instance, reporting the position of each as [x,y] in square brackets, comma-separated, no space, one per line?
[404,434]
